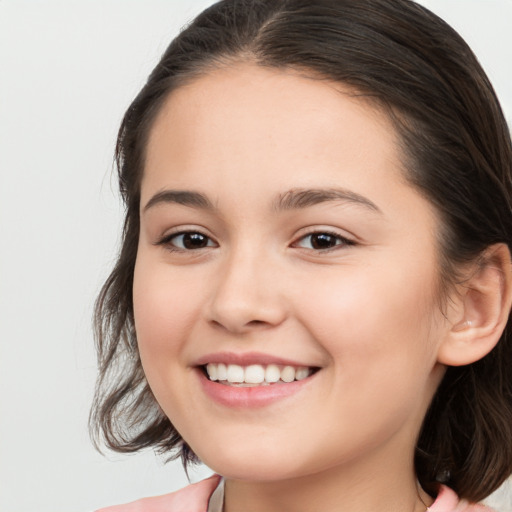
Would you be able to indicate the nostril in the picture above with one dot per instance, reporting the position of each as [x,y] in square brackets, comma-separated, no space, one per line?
[239,327]
[256,323]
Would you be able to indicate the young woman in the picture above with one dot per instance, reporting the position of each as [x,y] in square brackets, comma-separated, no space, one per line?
[314,288]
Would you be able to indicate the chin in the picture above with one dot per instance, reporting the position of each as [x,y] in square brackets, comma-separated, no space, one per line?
[271,467]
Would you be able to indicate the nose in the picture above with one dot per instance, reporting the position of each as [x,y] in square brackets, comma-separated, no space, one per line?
[246,295]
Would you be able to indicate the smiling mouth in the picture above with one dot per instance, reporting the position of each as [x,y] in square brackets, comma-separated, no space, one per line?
[255,374]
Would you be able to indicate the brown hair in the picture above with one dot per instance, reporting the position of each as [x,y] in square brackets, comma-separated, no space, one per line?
[458,153]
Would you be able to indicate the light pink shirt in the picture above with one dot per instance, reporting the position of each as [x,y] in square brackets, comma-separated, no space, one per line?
[196,498]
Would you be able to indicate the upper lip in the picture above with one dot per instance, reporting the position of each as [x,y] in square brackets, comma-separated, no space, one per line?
[247,359]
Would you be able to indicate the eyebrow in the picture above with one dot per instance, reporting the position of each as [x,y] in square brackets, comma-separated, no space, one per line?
[294,199]
[304,198]
[184,197]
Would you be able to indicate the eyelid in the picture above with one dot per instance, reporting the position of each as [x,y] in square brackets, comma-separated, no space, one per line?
[345,240]
[165,240]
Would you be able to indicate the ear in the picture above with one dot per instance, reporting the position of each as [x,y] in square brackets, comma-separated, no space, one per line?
[480,310]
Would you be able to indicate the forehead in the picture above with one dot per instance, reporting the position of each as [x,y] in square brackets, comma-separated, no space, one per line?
[260,120]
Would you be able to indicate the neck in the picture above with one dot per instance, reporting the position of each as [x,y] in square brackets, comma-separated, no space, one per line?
[350,488]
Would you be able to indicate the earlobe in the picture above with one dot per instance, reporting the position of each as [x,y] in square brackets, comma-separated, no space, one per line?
[482,309]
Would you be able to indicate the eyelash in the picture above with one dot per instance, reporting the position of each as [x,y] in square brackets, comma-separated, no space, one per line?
[167,241]
[340,241]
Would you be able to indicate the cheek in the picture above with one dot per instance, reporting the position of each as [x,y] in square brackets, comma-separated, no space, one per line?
[374,323]
[165,309]
[378,332]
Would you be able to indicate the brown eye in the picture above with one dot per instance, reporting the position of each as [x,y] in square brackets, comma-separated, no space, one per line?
[190,240]
[322,241]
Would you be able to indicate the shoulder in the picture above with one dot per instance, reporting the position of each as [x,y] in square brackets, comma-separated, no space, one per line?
[193,498]
[448,501]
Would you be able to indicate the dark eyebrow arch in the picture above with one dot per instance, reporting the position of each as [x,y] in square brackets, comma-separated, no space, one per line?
[304,198]
[184,197]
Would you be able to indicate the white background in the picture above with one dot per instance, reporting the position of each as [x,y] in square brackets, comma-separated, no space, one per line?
[68,70]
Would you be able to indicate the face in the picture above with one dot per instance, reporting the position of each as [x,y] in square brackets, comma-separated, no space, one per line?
[285,289]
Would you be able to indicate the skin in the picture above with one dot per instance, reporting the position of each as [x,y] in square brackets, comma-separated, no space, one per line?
[365,312]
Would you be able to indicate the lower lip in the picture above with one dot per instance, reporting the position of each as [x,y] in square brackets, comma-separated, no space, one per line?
[250,397]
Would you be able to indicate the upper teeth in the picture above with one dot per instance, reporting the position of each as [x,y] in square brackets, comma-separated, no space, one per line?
[255,373]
